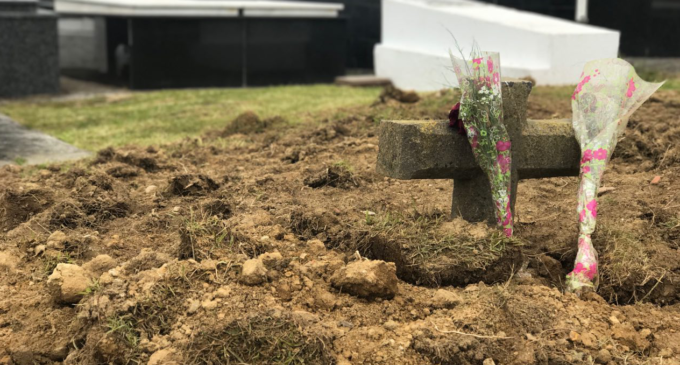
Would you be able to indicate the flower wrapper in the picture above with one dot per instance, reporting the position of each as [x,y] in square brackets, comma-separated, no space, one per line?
[481,110]
[608,93]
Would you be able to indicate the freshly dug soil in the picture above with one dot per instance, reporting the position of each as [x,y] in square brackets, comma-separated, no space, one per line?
[225,249]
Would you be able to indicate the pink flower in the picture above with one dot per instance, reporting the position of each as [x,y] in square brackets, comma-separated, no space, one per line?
[582,216]
[579,87]
[508,218]
[508,232]
[592,207]
[489,64]
[631,88]
[503,146]
[504,163]
[587,156]
[586,169]
[488,80]
[579,268]
[600,154]
[477,60]
[496,78]
[592,271]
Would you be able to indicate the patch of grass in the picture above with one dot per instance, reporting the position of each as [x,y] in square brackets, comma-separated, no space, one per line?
[93,288]
[146,118]
[20,161]
[123,327]
[418,234]
[50,262]
[259,340]
[626,264]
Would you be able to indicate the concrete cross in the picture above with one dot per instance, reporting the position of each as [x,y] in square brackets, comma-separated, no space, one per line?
[430,149]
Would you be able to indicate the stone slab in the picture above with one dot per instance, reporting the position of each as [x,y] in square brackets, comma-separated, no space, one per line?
[432,150]
[34,147]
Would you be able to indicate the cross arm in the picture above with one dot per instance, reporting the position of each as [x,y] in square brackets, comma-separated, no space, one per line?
[432,150]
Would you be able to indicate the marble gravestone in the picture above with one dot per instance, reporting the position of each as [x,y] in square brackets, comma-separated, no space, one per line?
[29,54]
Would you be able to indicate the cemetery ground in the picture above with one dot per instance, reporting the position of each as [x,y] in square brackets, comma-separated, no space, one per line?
[255,239]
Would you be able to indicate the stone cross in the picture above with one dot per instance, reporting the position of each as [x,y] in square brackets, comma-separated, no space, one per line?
[430,149]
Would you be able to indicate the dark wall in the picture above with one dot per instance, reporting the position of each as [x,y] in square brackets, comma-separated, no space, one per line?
[227,52]
[363,27]
[29,54]
[564,9]
[648,27]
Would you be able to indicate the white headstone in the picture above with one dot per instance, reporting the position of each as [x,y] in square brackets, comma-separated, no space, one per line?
[417,36]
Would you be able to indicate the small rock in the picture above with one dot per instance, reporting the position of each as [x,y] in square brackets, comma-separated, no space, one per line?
[489,361]
[176,209]
[100,264]
[645,332]
[316,247]
[8,261]
[574,336]
[163,357]
[588,340]
[271,260]
[614,321]
[603,357]
[223,292]
[324,299]
[57,240]
[193,306]
[68,283]
[151,189]
[368,279]
[390,325]
[209,304]
[39,249]
[445,299]
[23,356]
[655,180]
[253,272]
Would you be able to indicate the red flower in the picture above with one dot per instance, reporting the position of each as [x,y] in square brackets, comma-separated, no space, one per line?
[454,119]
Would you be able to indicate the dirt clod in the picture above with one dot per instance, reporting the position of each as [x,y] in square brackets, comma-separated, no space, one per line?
[68,283]
[445,299]
[253,272]
[367,279]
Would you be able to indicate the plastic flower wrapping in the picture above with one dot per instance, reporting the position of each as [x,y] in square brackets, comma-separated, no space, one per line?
[481,113]
[608,93]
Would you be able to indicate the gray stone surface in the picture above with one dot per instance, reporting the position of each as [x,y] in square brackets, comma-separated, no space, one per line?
[432,150]
[29,55]
[17,142]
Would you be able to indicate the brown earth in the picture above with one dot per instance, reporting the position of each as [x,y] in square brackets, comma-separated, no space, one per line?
[251,248]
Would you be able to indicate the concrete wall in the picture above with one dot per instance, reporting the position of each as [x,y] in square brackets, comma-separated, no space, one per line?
[417,36]
[82,44]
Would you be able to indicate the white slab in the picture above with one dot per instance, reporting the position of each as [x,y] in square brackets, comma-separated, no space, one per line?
[417,36]
[193,8]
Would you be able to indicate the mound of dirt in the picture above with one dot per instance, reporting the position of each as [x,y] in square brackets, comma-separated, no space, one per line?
[249,122]
[168,236]
[392,93]
[19,204]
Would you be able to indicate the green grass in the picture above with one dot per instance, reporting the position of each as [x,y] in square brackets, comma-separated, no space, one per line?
[146,118]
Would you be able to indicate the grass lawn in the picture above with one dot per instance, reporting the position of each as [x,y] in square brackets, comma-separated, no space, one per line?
[145,118]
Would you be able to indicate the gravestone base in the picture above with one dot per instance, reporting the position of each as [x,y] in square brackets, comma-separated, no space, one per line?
[472,199]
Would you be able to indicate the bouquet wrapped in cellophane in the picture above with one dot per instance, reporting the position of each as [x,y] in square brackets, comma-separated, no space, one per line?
[608,93]
[481,111]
